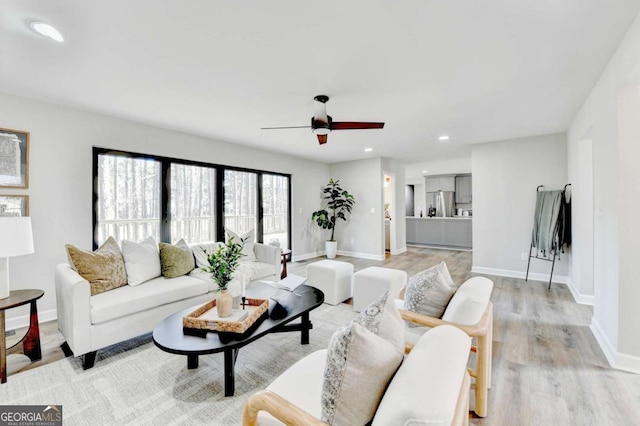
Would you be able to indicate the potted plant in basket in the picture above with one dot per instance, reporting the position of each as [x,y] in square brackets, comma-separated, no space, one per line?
[338,207]
[222,264]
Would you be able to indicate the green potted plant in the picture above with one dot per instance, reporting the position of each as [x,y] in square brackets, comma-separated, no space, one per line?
[339,205]
[222,264]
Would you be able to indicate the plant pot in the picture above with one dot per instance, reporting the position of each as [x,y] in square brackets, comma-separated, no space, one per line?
[331,248]
[224,304]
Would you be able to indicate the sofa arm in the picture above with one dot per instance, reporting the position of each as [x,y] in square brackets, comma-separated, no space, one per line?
[278,407]
[269,254]
[73,302]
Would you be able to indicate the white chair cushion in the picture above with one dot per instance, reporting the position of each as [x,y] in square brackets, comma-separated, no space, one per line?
[300,384]
[141,260]
[128,300]
[419,395]
[470,301]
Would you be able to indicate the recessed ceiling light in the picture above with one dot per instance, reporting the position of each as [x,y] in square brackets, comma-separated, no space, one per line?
[443,138]
[47,31]
[368,149]
[425,171]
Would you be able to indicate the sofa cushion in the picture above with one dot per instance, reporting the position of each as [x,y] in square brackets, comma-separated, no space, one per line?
[141,260]
[429,292]
[247,248]
[156,292]
[446,347]
[256,270]
[200,255]
[382,318]
[359,366]
[176,260]
[103,268]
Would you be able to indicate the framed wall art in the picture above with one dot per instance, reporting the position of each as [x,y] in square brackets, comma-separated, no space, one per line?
[14,205]
[14,158]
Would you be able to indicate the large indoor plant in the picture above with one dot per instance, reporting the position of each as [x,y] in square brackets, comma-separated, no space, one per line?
[222,264]
[339,205]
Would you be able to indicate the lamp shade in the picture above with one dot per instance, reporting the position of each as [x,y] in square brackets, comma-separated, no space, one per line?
[16,237]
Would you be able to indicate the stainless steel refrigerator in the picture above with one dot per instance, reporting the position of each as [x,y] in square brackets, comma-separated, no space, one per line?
[444,202]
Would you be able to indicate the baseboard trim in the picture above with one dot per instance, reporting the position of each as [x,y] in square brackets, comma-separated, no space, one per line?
[533,276]
[617,360]
[361,255]
[308,256]
[23,320]
[581,299]
[399,251]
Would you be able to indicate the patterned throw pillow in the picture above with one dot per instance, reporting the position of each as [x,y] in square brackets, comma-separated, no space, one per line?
[429,292]
[247,249]
[176,260]
[103,268]
[382,318]
[359,367]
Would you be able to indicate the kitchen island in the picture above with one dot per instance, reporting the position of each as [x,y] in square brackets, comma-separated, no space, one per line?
[455,232]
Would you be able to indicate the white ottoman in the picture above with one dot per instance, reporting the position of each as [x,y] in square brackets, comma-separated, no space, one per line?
[371,283]
[333,278]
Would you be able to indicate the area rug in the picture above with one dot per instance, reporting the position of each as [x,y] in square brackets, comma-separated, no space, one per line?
[137,383]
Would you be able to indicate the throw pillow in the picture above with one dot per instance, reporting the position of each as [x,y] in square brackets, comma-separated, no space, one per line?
[382,318]
[247,249]
[201,256]
[103,268]
[429,292]
[141,260]
[359,367]
[176,260]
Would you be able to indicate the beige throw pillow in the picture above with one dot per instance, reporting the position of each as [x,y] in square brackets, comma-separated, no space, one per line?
[382,318]
[359,367]
[429,292]
[176,260]
[103,268]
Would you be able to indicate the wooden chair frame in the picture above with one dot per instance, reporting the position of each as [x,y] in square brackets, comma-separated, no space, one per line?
[291,414]
[483,333]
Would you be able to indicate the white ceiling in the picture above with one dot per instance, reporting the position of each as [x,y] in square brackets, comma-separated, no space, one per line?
[479,70]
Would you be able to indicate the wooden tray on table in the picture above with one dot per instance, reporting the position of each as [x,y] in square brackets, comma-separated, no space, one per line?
[205,319]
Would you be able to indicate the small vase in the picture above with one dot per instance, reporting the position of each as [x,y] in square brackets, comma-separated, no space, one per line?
[224,304]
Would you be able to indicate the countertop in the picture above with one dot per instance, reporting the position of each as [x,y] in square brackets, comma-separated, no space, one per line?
[441,218]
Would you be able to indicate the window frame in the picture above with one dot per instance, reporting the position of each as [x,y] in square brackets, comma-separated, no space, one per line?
[165,208]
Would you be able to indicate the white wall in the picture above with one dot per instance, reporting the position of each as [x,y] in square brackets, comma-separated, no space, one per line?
[363,235]
[420,202]
[60,181]
[398,222]
[505,177]
[608,116]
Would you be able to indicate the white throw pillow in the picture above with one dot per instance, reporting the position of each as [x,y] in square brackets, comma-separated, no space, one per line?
[249,238]
[141,260]
[200,255]
[383,318]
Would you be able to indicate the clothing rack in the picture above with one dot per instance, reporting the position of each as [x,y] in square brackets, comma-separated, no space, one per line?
[561,236]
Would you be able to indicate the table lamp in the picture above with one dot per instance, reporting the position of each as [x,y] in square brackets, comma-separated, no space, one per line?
[16,239]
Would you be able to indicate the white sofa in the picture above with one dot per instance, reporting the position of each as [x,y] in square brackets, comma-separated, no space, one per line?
[89,323]
[431,387]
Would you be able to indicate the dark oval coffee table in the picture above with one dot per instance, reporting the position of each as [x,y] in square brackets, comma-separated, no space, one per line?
[170,337]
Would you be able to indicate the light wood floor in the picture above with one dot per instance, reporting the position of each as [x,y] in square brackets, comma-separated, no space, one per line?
[547,366]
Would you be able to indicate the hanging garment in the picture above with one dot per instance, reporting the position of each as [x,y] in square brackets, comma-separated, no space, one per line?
[546,221]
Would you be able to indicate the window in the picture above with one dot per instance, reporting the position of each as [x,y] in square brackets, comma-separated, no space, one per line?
[192,200]
[128,198]
[275,209]
[137,196]
[240,201]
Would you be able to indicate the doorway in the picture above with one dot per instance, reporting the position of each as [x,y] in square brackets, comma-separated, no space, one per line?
[390,213]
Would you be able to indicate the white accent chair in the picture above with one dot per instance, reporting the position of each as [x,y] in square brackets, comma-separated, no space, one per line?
[371,283]
[333,278]
[470,310]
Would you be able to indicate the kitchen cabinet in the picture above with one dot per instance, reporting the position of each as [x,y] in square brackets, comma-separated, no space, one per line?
[463,189]
[440,183]
[443,231]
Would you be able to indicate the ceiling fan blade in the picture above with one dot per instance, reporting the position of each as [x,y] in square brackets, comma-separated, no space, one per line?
[355,125]
[322,139]
[286,127]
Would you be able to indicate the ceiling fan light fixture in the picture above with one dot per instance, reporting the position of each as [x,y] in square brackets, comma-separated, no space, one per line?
[46,30]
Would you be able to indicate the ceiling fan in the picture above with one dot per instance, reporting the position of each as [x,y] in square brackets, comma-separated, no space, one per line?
[322,124]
